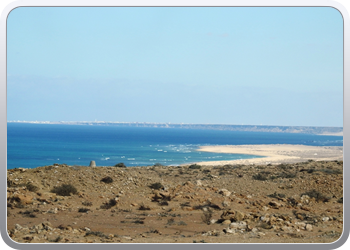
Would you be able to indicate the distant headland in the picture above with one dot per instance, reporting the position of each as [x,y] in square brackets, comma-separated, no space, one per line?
[336,131]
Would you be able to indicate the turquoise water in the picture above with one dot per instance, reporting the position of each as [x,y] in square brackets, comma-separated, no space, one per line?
[33,145]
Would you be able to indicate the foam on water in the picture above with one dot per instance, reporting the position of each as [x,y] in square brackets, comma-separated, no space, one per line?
[33,145]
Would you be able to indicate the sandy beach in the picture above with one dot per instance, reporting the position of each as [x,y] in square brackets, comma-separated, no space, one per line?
[276,153]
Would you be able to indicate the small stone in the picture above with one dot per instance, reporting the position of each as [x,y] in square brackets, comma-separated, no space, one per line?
[228,231]
[239,216]
[308,227]
[325,219]
[224,192]
[199,183]
[225,203]
[213,221]
[226,222]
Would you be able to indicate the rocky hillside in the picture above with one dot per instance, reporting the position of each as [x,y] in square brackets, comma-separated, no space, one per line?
[299,202]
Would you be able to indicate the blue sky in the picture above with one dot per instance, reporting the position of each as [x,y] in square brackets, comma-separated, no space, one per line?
[270,66]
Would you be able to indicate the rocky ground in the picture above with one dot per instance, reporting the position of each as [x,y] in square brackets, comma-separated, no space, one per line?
[300,202]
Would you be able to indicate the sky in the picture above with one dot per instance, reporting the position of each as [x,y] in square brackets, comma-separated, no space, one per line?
[230,65]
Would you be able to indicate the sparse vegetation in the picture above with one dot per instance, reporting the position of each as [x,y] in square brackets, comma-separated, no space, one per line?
[287,175]
[260,177]
[156,186]
[109,204]
[32,188]
[195,166]
[87,203]
[97,233]
[144,207]
[186,208]
[83,210]
[207,216]
[29,213]
[64,190]
[171,221]
[317,195]
[107,179]
[331,171]
[275,195]
[264,225]
[120,165]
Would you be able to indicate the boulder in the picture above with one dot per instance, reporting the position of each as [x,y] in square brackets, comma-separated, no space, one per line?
[92,164]
[275,204]
[224,192]
[228,215]
[23,198]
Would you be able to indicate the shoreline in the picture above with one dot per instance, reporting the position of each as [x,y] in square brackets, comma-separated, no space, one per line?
[274,153]
[333,134]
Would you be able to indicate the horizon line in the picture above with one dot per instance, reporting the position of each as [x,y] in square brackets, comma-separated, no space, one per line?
[168,123]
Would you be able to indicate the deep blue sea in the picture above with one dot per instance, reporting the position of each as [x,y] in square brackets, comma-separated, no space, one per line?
[34,145]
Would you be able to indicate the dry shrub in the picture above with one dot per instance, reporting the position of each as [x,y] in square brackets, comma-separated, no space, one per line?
[107,179]
[156,186]
[207,216]
[144,207]
[65,190]
[317,195]
[32,188]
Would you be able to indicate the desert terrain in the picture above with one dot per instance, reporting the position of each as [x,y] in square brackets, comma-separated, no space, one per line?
[270,202]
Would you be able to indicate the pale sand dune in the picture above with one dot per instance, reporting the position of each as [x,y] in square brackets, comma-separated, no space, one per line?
[276,153]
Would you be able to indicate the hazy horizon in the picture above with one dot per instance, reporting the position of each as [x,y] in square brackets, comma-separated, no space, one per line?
[174,123]
[222,65]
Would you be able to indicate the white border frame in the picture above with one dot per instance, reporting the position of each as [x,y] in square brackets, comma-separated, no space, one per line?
[170,3]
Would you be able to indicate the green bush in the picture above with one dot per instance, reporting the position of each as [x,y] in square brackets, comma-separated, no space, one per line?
[65,190]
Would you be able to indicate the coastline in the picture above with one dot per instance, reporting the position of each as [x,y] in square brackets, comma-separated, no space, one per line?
[275,153]
[333,134]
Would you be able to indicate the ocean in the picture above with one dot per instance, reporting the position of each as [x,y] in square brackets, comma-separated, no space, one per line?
[34,145]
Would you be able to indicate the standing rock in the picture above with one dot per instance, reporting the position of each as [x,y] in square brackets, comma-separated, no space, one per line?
[92,164]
